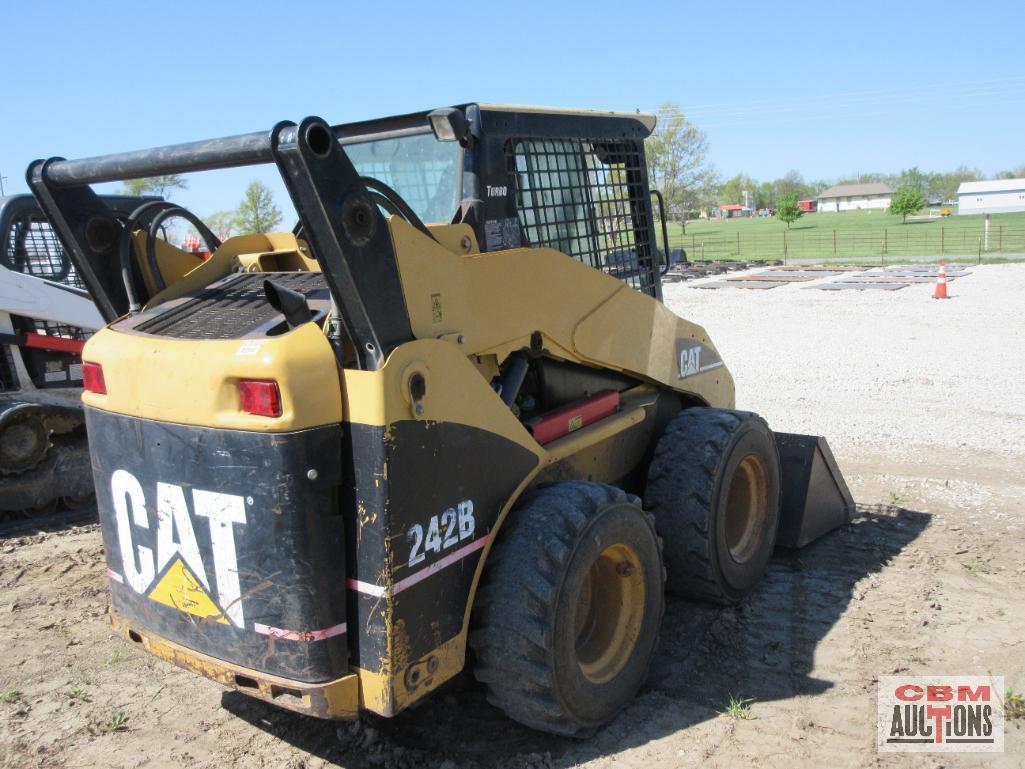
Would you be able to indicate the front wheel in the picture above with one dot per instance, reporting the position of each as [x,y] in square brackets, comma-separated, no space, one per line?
[567,619]
[714,488]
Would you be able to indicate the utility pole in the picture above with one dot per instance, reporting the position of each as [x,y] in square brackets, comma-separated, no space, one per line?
[2,180]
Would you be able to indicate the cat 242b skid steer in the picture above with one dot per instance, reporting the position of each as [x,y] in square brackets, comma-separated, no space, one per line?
[336,465]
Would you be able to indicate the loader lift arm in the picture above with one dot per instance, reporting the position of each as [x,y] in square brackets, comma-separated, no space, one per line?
[338,216]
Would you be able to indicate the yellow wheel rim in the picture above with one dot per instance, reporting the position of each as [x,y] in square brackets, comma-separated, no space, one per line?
[747,506]
[610,611]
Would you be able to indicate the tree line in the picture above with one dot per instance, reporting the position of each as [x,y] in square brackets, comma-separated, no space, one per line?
[678,165]
[256,212]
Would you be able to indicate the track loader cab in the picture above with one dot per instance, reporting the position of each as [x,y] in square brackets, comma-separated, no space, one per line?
[329,461]
[45,317]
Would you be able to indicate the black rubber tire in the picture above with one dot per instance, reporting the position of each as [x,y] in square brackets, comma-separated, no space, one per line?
[687,490]
[525,631]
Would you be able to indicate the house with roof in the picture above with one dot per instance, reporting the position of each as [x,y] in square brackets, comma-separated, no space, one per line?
[996,196]
[854,197]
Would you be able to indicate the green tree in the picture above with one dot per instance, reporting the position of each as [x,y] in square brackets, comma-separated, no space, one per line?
[1014,173]
[155,185]
[864,178]
[257,212]
[951,181]
[731,192]
[787,209]
[907,200]
[765,196]
[223,224]
[792,183]
[913,178]
[677,153]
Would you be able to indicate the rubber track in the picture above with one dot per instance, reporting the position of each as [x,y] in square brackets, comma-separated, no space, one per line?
[512,640]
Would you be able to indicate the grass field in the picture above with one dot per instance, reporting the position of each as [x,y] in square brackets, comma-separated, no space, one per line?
[872,235]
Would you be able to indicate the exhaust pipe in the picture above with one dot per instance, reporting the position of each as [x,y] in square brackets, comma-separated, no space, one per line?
[290,303]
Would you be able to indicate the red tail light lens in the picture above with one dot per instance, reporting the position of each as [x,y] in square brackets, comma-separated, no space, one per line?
[92,378]
[260,397]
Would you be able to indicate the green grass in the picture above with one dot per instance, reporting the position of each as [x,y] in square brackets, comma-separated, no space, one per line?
[1014,707]
[78,693]
[861,235]
[116,723]
[738,708]
[9,695]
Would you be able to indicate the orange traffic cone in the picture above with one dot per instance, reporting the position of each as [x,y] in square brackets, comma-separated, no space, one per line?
[941,283]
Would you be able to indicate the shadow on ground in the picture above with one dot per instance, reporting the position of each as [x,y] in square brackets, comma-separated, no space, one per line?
[763,649]
[27,523]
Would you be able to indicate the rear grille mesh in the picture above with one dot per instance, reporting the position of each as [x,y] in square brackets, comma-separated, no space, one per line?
[231,308]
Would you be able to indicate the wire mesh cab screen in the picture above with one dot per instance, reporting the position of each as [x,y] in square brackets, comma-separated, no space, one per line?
[587,199]
[30,246]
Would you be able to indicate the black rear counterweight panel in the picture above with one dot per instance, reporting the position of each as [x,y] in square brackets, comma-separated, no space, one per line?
[179,503]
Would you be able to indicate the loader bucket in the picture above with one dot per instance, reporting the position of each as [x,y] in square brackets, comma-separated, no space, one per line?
[816,499]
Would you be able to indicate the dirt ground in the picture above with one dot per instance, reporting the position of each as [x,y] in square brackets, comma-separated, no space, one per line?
[922,402]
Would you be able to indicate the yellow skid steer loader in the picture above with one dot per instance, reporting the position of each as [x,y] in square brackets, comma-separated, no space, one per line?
[447,413]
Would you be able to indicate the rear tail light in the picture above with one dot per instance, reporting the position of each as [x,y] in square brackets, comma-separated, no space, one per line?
[92,378]
[260,397]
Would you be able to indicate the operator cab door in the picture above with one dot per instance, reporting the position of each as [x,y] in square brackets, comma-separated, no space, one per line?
[578,184]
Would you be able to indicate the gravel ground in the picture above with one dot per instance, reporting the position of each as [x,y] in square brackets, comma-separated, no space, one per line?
[894,370]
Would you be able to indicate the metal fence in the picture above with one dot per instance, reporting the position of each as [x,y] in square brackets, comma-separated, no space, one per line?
[904,240]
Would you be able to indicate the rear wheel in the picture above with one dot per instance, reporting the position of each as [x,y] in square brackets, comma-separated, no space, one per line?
[566,620]
[714,488]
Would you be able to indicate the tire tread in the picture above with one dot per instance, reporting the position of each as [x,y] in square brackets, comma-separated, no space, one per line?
[681,480]
[513,648]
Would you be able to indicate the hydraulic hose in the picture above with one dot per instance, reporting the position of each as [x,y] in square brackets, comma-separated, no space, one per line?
[125,249]
[211,240]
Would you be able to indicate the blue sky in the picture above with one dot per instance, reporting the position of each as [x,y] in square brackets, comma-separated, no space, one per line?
[827,89]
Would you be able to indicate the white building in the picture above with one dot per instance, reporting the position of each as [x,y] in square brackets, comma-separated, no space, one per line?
[853,197]
[992,197]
